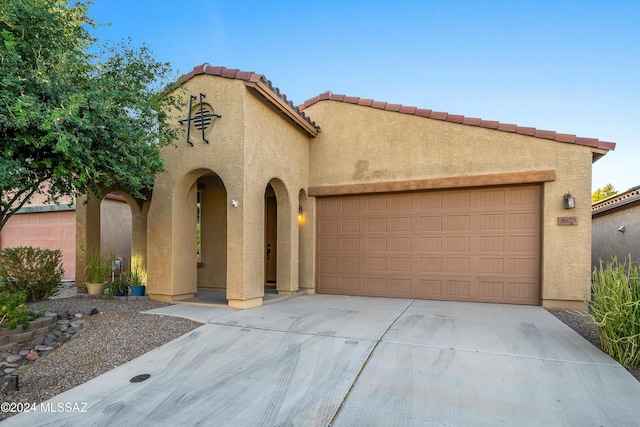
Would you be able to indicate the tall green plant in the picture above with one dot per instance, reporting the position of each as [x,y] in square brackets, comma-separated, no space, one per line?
[98,265]
[137,276]
[615,309]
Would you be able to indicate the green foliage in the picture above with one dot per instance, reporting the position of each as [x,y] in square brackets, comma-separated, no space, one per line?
[118,286]
[615,309]
[75,116]
[602,193]
[13,312]
[34,271]
[136,276]
[98,265]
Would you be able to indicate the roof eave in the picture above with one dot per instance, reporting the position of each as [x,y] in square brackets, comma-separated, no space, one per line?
[262,89]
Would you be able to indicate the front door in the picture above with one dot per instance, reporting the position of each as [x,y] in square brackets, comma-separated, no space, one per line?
[271,239]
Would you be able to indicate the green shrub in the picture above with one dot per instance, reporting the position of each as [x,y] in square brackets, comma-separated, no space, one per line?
[13,312]
[34,271]
[615,309]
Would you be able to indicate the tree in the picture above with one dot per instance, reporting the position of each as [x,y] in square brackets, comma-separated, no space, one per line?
[603,193]
[75,116]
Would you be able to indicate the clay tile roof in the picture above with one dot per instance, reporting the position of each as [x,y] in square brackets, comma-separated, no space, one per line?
[469,121]
[250,76]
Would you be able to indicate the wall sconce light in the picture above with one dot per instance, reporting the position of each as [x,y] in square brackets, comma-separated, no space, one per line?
[569,201]
[300,213]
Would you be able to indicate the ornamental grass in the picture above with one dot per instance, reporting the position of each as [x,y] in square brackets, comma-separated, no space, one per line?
[615,309]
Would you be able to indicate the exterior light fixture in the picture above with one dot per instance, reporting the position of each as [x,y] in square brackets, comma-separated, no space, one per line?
[234,203]
[300,213]
[569,201]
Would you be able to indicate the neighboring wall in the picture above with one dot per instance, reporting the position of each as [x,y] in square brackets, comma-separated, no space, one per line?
[616,229]
[54,227]
[363,145]
[46,227]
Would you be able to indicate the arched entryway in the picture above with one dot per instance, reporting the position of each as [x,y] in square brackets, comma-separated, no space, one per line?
[211,232]
[280,239]
[270,238]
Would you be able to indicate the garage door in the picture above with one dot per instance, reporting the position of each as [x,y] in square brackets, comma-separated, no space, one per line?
[464,245]
[47,230]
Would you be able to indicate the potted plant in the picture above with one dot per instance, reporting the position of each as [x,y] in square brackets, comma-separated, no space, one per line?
[117,288]
[97,269]
[137,279]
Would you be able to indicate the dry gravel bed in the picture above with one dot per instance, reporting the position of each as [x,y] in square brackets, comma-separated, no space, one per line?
[120,333]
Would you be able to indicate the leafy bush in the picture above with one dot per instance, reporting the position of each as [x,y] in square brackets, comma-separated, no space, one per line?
[615,309]
[112,288]
[13,312]
[34,271]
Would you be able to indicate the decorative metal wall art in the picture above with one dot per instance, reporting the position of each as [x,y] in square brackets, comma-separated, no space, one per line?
[201,119]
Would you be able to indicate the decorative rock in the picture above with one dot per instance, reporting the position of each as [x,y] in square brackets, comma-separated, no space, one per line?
[27,347]
[79,315]
[24,352]
[9,365]
[63,322]
[13,358]
[9,370]
[33,356]
[77,323]
[50,342]
[42,347]
[63,327]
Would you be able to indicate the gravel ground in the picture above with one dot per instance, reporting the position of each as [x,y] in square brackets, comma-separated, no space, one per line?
[582,325]
[120,333]
[117,334]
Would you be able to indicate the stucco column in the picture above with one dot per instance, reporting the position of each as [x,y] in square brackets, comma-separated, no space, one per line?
[287,275]
[306,245]
[245,280]
[139,235]
[87,234]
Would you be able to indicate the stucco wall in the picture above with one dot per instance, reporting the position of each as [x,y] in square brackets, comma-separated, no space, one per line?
[277,152]
[172,263]
[360,144]
[249,147]
[115,229]
[607,240]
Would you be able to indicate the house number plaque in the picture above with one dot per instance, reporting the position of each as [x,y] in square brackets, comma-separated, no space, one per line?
[567,220]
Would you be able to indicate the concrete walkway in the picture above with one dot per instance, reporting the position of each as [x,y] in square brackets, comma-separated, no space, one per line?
[352,361]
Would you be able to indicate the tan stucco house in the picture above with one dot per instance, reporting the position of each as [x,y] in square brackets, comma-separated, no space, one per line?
[343,195]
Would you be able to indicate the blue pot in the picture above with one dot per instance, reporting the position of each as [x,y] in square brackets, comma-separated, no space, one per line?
[137,291]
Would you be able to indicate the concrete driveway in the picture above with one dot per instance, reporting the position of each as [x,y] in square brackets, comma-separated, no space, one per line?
[353,361]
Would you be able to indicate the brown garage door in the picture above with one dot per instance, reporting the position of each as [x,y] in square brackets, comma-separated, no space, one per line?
[47,230]
[464,245]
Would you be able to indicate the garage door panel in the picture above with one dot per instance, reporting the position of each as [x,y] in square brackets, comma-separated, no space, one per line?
[377,244]
[468,245]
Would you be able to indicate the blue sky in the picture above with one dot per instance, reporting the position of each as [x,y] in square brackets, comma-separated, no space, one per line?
[568,66]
